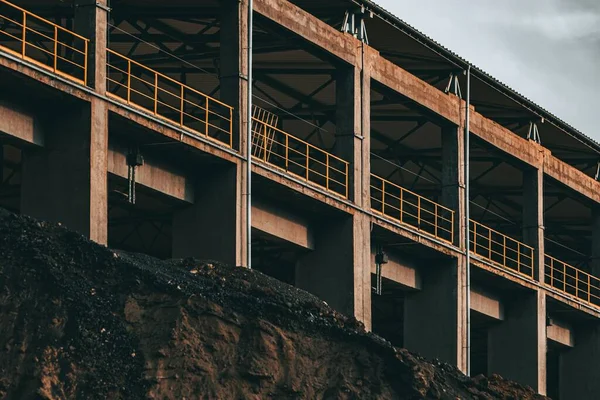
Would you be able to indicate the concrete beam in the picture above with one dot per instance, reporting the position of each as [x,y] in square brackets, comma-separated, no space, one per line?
[572,177]
[389,74]
[153,175]
[283,225]
[20,124]
[399,269]
[487,304]
[309,28]
[560,333]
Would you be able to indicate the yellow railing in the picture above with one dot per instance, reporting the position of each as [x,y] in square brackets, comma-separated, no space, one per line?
[295,156]
[571,281]
[164,97]
[412,209]
[501,249]
[43,43]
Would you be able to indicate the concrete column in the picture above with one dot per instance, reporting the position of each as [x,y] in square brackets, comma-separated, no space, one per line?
[596,241]
[533,217]
[91,22]
[338,270]
[66,181]
[579,374]
[353,125]
[207,228]
[233,91]
[517,346]
[453,178]
[434,317]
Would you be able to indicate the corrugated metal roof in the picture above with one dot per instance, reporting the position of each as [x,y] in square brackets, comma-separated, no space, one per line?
[478,72]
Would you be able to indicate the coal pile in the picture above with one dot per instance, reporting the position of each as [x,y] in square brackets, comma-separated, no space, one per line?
[80,321]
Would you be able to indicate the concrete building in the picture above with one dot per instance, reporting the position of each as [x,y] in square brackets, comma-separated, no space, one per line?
[358,148]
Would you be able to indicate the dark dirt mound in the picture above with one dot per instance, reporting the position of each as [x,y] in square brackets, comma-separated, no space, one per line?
[78,320]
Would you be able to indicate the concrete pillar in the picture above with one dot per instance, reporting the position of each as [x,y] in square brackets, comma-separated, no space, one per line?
[207,228]
[596,241]
[517,346]
[233,91]
[453,178]
[66,181]
[338,270]
[434,318]
[91,22]
[533,217]
[353,125]
[579,374]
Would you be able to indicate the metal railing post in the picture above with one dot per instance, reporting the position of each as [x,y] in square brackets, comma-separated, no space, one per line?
[264,139]
[85,62]
[435,225]
[307,160]
[564,277]
[287,152]
[346,179]
[327,171]
[128,81]
[55,47]
[156,93]
[504,253]
[382,196]
[489,243]
[230,127]
[206,116]
[401,204]
[23,49]
[182,105]
[419,212]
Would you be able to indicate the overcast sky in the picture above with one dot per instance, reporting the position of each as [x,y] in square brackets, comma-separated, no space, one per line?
[548,50]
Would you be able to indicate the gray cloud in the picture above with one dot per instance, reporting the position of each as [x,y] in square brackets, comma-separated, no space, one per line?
[548,50]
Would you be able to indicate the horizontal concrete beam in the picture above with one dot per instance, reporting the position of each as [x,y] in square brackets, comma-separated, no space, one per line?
[20,124]
[487,304]
[505,140]
[152,175]
[560,333]
[399,269]
[389,74]
[310,28]
[572,177]
[283,225]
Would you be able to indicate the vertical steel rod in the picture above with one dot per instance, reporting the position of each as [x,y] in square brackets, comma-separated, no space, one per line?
[249,142]
[467,218]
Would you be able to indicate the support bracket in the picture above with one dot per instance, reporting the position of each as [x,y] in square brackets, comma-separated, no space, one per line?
[534,133]
[597,177]
[354,24]
[453,85]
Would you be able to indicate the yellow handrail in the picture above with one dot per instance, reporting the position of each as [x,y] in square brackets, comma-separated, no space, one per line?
[43,43]
[408,207]
[165,97]
[571,281]
[501,249]
[300,158]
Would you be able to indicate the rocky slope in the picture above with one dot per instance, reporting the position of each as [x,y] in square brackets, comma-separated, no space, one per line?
[79,321]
